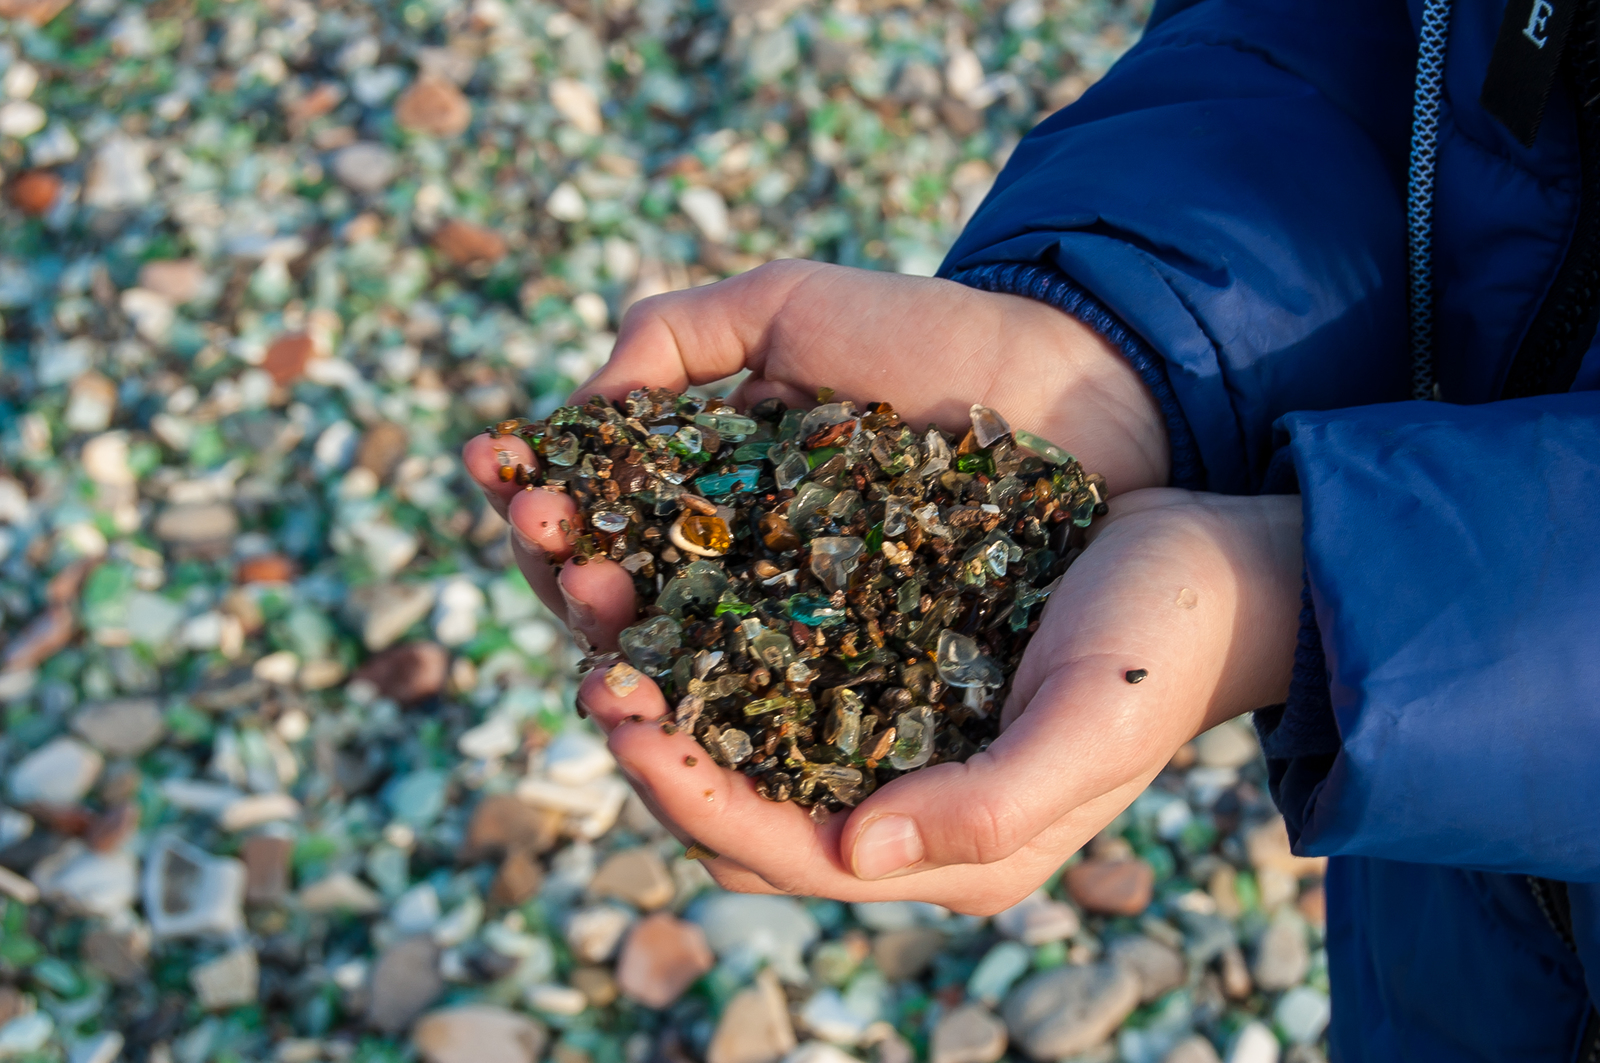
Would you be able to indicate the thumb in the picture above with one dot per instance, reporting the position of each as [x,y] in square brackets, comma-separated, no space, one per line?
[699,335]
[1085,732]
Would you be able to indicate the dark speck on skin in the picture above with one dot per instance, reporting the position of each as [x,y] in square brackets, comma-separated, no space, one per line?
[1136,675]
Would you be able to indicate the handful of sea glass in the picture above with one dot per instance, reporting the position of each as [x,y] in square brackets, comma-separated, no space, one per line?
[830,597]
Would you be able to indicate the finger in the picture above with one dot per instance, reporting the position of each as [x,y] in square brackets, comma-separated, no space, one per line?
[541,575]
[696,336]
[599,599]
[484,457]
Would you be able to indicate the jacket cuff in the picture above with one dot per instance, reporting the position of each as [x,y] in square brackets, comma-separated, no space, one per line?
[1049,285]
[1300,738]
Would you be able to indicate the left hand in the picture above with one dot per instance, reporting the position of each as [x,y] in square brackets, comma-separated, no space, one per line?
[1202,591]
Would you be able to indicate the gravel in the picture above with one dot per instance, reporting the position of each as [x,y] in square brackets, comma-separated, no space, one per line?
[289,764]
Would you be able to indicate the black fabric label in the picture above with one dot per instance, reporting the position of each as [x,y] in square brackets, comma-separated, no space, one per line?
[1523,68]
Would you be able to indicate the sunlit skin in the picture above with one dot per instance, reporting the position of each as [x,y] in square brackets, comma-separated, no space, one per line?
[1201,591]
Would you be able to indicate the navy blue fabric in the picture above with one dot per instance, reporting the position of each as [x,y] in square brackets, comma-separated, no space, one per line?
[1232,193]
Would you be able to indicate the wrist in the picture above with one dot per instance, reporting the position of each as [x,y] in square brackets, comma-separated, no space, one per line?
[1126,441]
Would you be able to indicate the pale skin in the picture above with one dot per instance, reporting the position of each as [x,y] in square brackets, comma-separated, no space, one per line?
[1202,591]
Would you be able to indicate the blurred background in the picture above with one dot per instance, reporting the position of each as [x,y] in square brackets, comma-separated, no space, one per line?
[290,768]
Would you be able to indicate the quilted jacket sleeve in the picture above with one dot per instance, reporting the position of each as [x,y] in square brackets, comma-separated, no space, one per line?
[1231,193]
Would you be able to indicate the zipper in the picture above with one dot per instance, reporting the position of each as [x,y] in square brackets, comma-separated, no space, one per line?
[1552,899]
[1554,346]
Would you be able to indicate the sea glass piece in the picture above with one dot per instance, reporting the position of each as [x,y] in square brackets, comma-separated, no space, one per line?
[826,416]
[834,559]
[938,455]
[697,583]
[988,425]
[609,521]
[736,747]
[731,426]
[716,485]
[908,596]
[707,532]
[561,449]
[962,664]
[803,511]
[843,782]
[791,470]
[814,611]
[896,515]
[1042,447]
[773,649]
[648,645]
[843,727]
[777,534]
[913,743]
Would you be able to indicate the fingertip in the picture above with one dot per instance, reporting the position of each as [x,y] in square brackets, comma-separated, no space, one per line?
[544,520]
[600,599]
[484,456]
[615,693]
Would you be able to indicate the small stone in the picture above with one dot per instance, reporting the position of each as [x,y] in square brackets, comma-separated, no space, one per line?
[1282,955]
[60,772]
[35,192]
[577,757]
[12,1003]
[405,980]
[1268,846]
[708,210]
[392,609]
[287,357]
[493,739]
[1068,1010]
[904,954]
[227,981]
[34,12]
[827,1016]
[748,929]
[103,1047]
[18,888]
[255,809]
[119,176]
[637,876]
[365,167]
[577,104]
[601,990]
[622,679]
[382,447]
[1111,887]
[340,892]
[998,971]
[45,635]
[190,893]
[433,106]
[1313,905]
[662,957]
[517,879]
[127,727]
[21,118]
[566,203]
[266,864]
[1192,1049]
[1038,920]
[754,1027]
[1159,968]
[504,822]
[1302,1014]
[197,524]
[178,280]
[556,999]
[410,673]
[1229,745]
[466,244]
[25,1034]
[120,955]
[1254,1044]
[478,1033]
[969,1034]
[594,933]
[92,883]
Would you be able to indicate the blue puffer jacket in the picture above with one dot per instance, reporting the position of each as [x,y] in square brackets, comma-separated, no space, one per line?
[1229,205]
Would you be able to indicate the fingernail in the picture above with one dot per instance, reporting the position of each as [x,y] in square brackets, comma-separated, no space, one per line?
[886,847]
[579,614]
